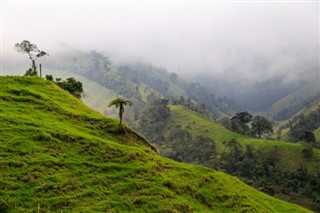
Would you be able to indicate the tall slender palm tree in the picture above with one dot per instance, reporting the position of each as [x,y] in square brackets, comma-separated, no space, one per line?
[120,103]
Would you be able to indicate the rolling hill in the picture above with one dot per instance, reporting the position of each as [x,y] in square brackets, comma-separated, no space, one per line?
[58,155]
[286,170]
[289,153]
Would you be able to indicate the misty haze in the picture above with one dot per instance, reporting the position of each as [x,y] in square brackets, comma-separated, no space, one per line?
[95,96]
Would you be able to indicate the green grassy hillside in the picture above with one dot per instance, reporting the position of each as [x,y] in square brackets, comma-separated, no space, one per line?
[288,171]
[96,95]
[57,155]
[290,157]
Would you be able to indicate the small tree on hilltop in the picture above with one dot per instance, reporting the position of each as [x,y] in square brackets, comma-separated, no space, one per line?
[120,103]
[71,85]
[261,125]
[33,52]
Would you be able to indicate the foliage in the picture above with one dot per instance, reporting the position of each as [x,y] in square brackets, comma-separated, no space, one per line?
[30,72]
[308,137]
[226,122]
[192,105]
[120,103]
[259,162]
[305,124]
[71,85]
[261,125]
[58,154]
[154,117]
[302,186]
[49,77]
[33,52]
[239,122]
[181,146]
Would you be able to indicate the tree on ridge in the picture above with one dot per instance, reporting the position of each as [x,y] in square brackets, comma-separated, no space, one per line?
[120,103]
[33,52]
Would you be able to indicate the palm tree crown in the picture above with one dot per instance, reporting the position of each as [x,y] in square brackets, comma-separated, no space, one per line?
[120,103]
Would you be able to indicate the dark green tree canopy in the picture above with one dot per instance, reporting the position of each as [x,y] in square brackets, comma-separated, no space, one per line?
[71,85]
[243,117]
[261,125]
[239,122]
[308,137]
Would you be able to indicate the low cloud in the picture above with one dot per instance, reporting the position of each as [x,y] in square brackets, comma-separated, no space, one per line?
[241,41]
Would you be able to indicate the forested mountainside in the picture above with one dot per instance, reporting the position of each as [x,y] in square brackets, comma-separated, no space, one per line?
[140,82]
[56,154]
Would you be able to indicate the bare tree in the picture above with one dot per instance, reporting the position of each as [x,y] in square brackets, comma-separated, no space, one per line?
[33,52]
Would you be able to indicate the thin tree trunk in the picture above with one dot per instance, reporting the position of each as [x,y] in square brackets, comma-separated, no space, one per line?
[34,66]
[120,115]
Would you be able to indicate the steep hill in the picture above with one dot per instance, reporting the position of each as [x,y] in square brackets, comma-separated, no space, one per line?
[286,170]
[58,155]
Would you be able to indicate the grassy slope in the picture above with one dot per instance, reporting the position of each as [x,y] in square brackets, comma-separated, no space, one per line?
[305,111]
[290,154]
[95,94]
[58,154]
[306,92]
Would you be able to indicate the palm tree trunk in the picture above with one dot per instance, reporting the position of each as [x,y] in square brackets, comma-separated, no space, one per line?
[120,115]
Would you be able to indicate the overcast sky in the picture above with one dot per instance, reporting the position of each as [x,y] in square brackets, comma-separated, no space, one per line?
[245,39]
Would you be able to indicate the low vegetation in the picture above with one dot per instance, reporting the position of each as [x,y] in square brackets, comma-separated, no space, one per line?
[57,155]
[286,170]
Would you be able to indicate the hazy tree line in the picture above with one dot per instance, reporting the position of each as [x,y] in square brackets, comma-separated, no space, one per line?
[255,167]
[192,105]
[259,169]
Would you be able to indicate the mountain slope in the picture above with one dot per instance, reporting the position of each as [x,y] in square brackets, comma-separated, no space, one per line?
[56,155]
[302,121]
[290,153]
[138,81]
[288,171]
[291,104]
